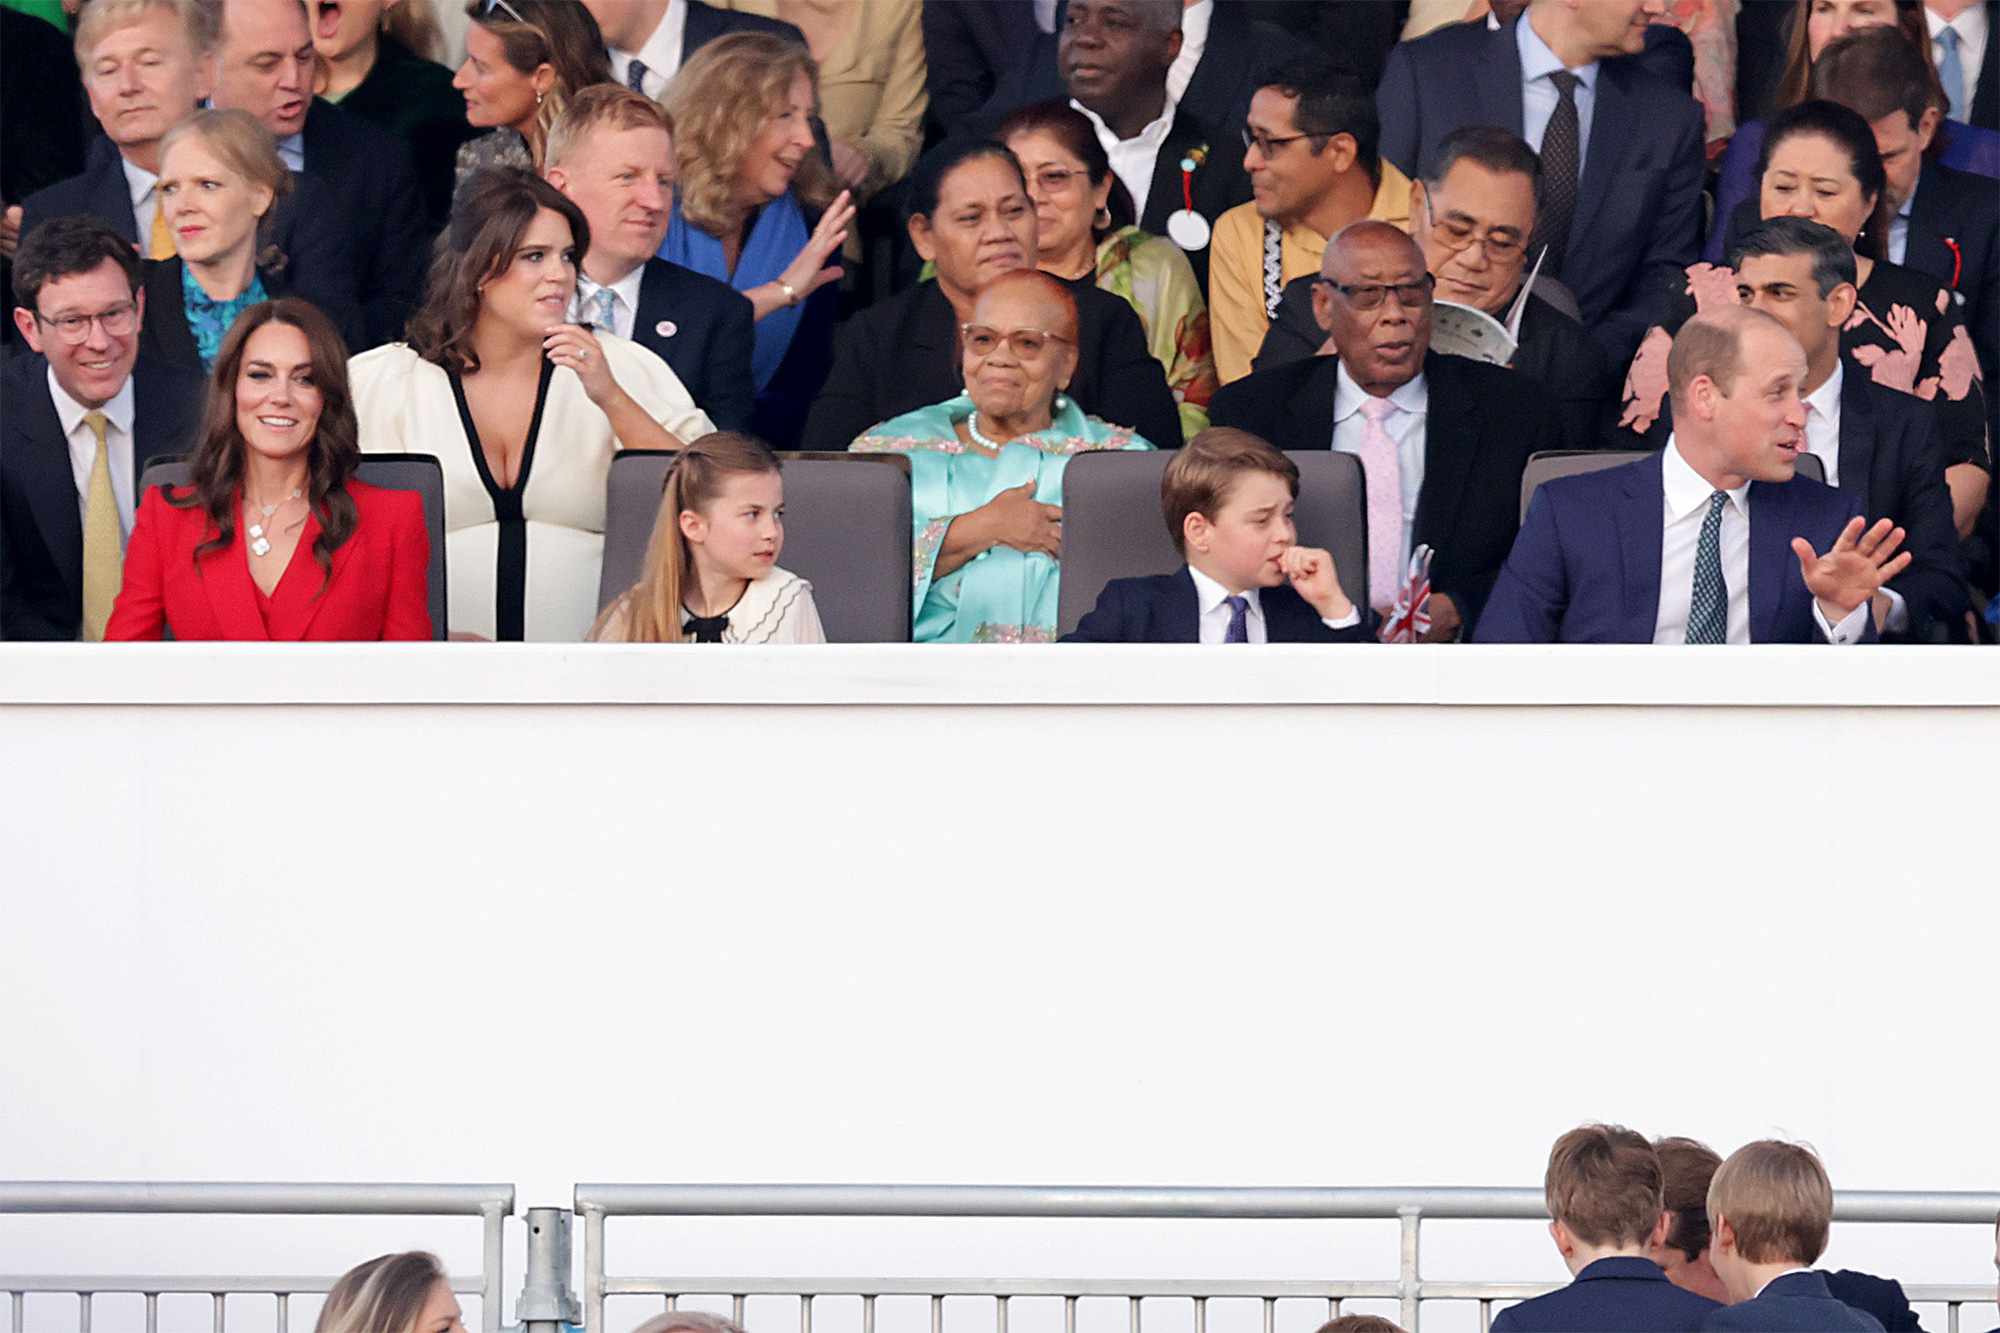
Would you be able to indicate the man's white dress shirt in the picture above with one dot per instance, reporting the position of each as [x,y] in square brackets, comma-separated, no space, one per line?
[83,446]
[1132,160]
[624,304]
[1194,40]
[1686,508]
[1211,602]
[1973,32]
[1405,426]
[662,52]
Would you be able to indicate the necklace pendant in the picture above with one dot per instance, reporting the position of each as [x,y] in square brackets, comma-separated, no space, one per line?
[256,530]
[259,545]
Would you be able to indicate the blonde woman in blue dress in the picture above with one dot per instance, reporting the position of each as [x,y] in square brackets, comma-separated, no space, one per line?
[986,468]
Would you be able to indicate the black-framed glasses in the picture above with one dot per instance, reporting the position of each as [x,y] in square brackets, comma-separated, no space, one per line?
[1264,143]
[118,322]
[1371,295]
[1455,237]
[983,340]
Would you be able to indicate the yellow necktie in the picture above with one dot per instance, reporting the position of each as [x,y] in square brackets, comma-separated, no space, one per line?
[103,547]
[160,243]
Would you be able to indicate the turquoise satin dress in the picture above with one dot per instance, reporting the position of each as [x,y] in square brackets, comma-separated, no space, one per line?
[1001,595]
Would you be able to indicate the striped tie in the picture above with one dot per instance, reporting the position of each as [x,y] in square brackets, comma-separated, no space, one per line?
[103,548]
[1708,609]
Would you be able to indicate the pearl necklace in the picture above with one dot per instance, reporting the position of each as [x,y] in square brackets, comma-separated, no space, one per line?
[979,438]
[259,543]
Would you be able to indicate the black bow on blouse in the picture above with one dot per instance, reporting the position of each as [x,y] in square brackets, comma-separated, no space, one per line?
[706,629]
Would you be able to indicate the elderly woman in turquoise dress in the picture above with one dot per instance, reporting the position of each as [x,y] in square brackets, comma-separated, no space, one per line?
[986,469]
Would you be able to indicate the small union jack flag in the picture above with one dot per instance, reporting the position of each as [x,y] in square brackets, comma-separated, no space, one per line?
[1410,618]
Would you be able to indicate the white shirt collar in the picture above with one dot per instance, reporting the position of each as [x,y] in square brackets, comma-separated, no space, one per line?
[1348,396]
[1826,398]
[1538,61]
[139,182]
[1208,594]
[627,288]
[1687,490]
[662,49]
[71,413]
[292,148]
[1194,40]
[1151,137]
[1970,25]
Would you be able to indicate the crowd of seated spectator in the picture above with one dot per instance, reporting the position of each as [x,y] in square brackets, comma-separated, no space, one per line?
[986,236]
[1664,1236]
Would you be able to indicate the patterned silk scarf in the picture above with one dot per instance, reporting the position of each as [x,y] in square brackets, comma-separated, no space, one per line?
[209,319]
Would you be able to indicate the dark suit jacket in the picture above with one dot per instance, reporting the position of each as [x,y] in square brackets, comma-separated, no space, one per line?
[969,47]
[41,534]
[902,354]
[1892,462]
[1960,205]
[1638,210]
[372,174]
[1985,111]
[1219,182]
[704,330]
[166,338]
[309,227]
[1586,567]
[1881,1297]
[1555,352]
[1161,608]
[1794,1303]
[412,98]
[1483,423]
[1610,1296]
[378,589]
[705,23]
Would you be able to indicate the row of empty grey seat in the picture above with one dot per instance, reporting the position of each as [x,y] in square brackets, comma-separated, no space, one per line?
[848,527]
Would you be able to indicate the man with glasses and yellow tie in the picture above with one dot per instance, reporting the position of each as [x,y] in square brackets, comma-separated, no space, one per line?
[1474,214]
[78,424]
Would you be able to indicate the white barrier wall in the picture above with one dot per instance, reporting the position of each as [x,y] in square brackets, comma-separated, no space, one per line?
[1359,916]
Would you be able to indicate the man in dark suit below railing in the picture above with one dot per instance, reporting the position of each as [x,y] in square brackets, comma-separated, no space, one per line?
[78,424]
[611,152]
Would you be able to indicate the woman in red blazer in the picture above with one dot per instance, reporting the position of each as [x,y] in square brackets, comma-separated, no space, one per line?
[274,539]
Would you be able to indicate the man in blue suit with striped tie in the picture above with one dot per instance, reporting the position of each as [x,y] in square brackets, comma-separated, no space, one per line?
[1711,540]
[1606,1197]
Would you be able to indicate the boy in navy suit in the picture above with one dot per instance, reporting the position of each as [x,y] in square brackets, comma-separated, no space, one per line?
[1228,499]
[1769,1209]
[1606,1197]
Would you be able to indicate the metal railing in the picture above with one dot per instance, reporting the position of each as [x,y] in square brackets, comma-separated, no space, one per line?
[1410,1208]
[493,1204]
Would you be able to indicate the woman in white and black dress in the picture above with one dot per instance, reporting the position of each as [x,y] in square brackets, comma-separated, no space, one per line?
[523,409]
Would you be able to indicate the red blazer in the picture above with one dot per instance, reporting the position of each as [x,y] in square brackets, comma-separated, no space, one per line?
[378,590]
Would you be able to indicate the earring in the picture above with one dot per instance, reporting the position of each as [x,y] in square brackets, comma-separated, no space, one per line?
[538,98]
[1062,402]
[1102,221]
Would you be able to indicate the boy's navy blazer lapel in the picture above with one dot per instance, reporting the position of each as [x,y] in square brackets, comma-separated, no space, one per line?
[1180,611]
[1640,523]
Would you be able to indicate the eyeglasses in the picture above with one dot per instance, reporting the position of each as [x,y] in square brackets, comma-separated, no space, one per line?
[1370,295]
[504,7]
[1456,237]
[1055,180]
[1264,143]
[1027,343]
[118,321]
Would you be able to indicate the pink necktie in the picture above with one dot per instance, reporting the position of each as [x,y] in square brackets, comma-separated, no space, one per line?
[1384,469]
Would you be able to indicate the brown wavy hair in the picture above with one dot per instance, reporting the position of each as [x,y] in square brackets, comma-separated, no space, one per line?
[652,606]
[719,102]
[488,218]
[216,467]
[557,33]
[384,1295]
[246,148]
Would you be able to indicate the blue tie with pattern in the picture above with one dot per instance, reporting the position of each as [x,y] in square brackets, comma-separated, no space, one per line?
[1951,73]
[635,76]
[1708,609]
[606,302]
[1239,620]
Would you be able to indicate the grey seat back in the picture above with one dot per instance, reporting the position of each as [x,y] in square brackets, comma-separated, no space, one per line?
[421,473]
[1553,463]
[1113,527]
[847,532]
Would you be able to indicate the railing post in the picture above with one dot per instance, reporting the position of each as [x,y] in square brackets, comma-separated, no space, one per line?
[593,1270]
[492,1284]
[1409,1281]
[547,1303]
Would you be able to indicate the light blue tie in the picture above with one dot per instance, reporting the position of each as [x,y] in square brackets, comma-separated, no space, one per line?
[1239,623]
[1951,73]
[1708,608]
[606,299]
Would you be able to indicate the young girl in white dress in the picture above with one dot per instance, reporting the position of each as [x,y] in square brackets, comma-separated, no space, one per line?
[711,573]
